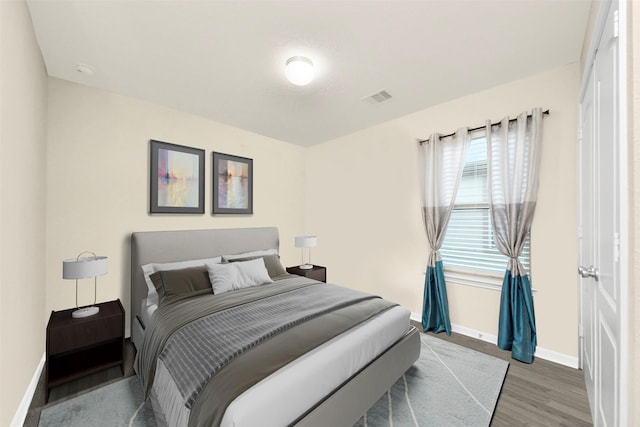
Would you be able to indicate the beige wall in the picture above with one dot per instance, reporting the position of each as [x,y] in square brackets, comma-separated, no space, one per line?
[363,203]
[22,211]
[98,183]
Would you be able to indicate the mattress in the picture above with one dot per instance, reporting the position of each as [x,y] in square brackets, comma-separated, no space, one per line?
[316,373]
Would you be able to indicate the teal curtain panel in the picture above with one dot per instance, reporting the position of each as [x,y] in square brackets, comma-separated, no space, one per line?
[517,324]
[435,314]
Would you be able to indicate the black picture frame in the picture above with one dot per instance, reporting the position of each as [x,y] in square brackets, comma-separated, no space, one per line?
[232,175]
[176,179]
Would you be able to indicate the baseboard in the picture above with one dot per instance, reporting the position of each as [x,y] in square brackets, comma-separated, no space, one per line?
[542,353]
[21,413]
[561,358]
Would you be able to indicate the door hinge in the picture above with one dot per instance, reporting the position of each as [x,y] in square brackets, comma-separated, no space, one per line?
[580,331]
[580,133]
[616,24]
[616,247]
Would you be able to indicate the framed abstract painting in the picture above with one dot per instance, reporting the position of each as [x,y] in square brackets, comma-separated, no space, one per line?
[177,179]
[232,184]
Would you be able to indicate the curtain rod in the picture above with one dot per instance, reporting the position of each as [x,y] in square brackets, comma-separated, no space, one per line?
[546,112]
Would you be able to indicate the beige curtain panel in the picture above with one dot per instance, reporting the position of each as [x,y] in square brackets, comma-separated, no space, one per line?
[441,165]
[513,159]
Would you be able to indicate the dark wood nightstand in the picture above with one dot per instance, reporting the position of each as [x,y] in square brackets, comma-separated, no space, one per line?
[318,272]
[79,347]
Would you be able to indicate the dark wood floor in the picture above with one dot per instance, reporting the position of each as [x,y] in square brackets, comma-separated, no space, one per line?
[540,394]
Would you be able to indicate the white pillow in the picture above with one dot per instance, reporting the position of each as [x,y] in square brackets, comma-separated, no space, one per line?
[149,269]
[237,275]
[226,258]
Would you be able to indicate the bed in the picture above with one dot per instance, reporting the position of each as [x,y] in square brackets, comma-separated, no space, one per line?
[330,383]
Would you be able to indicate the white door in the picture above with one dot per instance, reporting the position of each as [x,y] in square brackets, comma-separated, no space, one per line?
[586,211]
[599,229]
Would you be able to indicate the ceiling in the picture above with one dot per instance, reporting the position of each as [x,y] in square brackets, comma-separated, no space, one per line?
[224,60]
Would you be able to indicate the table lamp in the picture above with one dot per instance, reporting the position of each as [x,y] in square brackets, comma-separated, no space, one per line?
[82,268]
[306,242]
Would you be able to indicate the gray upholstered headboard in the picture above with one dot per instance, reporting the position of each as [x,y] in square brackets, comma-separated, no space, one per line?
[171,246]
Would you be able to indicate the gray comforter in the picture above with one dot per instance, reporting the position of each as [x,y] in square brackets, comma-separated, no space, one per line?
[217,346]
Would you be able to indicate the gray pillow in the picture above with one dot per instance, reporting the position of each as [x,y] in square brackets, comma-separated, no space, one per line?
[149,269]
[271,261]
[172,283]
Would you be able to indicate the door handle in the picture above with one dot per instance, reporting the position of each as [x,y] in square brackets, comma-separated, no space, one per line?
[589,272]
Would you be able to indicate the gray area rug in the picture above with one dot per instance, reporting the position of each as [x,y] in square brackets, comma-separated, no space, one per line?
[117,404]
[449,385]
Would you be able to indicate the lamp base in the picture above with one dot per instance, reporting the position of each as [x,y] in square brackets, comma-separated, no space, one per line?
[305,267]
[85,312]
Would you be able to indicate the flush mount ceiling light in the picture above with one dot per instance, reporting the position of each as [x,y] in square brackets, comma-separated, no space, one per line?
[299,70]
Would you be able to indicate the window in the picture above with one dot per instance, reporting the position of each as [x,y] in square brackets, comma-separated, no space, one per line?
[468,245]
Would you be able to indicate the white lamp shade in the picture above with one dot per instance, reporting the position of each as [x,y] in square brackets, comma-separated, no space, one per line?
[306,241]
[84,267]
[299,70]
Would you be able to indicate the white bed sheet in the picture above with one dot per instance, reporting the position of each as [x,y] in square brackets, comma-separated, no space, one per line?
[285,395]
[146,311]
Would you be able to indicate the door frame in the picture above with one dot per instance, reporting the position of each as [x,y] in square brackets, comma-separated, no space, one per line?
[623,179]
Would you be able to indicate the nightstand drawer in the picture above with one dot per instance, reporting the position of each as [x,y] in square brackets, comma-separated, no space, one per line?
[88,332]
[318,272]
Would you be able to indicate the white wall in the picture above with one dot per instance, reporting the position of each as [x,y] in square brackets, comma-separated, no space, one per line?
[22,210]
[98,183]
[363,204]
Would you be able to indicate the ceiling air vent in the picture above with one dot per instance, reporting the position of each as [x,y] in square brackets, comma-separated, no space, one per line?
[377,98]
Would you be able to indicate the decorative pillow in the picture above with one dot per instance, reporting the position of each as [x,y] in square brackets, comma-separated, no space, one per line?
[149,269]
[237,275]
[247,255]
[171,283]
[271,262]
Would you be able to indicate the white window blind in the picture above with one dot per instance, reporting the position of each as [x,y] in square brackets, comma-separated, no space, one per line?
[468,244]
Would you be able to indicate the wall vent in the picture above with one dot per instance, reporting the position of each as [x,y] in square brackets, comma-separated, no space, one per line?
[377,98]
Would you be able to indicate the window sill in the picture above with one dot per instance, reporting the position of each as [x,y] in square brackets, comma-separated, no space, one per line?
[476,280]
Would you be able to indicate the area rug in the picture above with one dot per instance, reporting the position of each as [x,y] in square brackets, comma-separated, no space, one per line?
[449,385]
[119,404]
